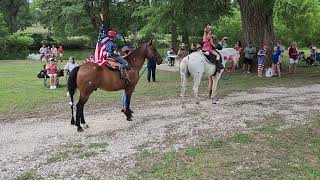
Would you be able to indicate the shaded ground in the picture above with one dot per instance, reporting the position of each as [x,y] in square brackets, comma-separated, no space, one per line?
[51,148]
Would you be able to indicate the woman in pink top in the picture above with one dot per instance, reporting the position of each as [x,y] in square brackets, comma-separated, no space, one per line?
[52,72]
[293,55]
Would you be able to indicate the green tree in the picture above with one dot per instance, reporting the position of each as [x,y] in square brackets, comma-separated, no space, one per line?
[16,13]
[4,31]
[180,17]
[298,21]
[229,26]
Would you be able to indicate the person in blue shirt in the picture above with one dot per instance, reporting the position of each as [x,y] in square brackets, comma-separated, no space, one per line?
[275,61]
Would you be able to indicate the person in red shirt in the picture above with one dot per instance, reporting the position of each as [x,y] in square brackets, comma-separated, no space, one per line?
[60,50]
[52,71]
[293,55]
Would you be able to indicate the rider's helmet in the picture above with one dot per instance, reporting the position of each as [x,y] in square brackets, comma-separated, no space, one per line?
[112,34]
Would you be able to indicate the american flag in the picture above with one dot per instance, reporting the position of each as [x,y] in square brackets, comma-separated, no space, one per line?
[100,52]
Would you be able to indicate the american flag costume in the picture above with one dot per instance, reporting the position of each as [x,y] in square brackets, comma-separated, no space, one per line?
[100,53]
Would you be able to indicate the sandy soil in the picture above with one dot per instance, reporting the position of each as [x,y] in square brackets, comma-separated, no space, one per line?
[35,145]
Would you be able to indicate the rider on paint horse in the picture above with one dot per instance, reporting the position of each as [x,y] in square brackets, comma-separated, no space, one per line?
[112,50]
[208,46]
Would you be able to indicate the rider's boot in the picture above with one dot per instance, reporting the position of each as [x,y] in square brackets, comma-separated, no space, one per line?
[219,65]
[122,73]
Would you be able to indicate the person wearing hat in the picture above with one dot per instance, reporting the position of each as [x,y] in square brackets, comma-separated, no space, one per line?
[52,71]
[223,43]
[183,51]
[112,50]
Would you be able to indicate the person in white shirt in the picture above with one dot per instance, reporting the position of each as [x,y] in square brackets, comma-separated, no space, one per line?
[70,65]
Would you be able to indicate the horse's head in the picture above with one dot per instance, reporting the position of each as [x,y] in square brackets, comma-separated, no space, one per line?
[152,52]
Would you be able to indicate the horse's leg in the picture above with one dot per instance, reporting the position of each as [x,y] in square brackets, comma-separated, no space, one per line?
[72,118]
[184,82]
[79,114]
[128,111]
[210,86]
[215,80]
[196,84]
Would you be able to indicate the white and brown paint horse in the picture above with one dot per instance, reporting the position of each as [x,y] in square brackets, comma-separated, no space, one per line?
[197,65]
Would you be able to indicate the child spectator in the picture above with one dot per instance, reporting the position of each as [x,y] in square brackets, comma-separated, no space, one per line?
[54,53]
[275,61]
[282,49]
[314,53]
[170,58]
[60,50]
[262,56]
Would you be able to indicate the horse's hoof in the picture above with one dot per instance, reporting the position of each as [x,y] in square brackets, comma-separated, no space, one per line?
[129,119]
[197,103]
[215,102]
[72,122]
[85,126]
[80,130]
[131,111]
[184,106]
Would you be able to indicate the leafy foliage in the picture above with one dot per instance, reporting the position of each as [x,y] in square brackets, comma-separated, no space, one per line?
[16,14]
[298,21]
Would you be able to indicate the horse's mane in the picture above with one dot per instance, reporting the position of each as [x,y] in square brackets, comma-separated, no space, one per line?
[133,54]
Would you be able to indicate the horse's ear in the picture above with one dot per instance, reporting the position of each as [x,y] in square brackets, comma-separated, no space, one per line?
[150,42]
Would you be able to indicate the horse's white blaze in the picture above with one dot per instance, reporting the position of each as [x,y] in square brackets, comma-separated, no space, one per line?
[197,65]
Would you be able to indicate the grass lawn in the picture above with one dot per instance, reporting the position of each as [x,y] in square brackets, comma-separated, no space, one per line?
[267,152]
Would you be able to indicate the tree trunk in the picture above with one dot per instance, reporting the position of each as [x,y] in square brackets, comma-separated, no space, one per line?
[12,19]
[257,24]
[89,8]
[185,19]
[106,12]
[174,35]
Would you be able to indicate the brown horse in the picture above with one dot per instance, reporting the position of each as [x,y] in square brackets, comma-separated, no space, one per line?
[89,77]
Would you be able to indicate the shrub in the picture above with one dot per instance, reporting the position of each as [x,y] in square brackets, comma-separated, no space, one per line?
[37,40]
[75,42]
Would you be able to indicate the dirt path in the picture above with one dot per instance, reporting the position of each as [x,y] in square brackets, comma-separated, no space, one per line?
[51,148]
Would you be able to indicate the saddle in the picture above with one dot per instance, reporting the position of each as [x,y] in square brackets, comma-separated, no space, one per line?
[113,65]
[211,58]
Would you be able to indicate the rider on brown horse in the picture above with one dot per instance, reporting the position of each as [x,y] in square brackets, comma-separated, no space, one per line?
[112,50]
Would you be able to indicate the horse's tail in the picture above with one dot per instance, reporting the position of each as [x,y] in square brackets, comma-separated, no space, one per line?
[72,86]
[72,82]
[183,67]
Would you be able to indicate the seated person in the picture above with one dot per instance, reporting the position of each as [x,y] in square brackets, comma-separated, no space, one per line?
[70,65]
[170,59]
[52,71]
